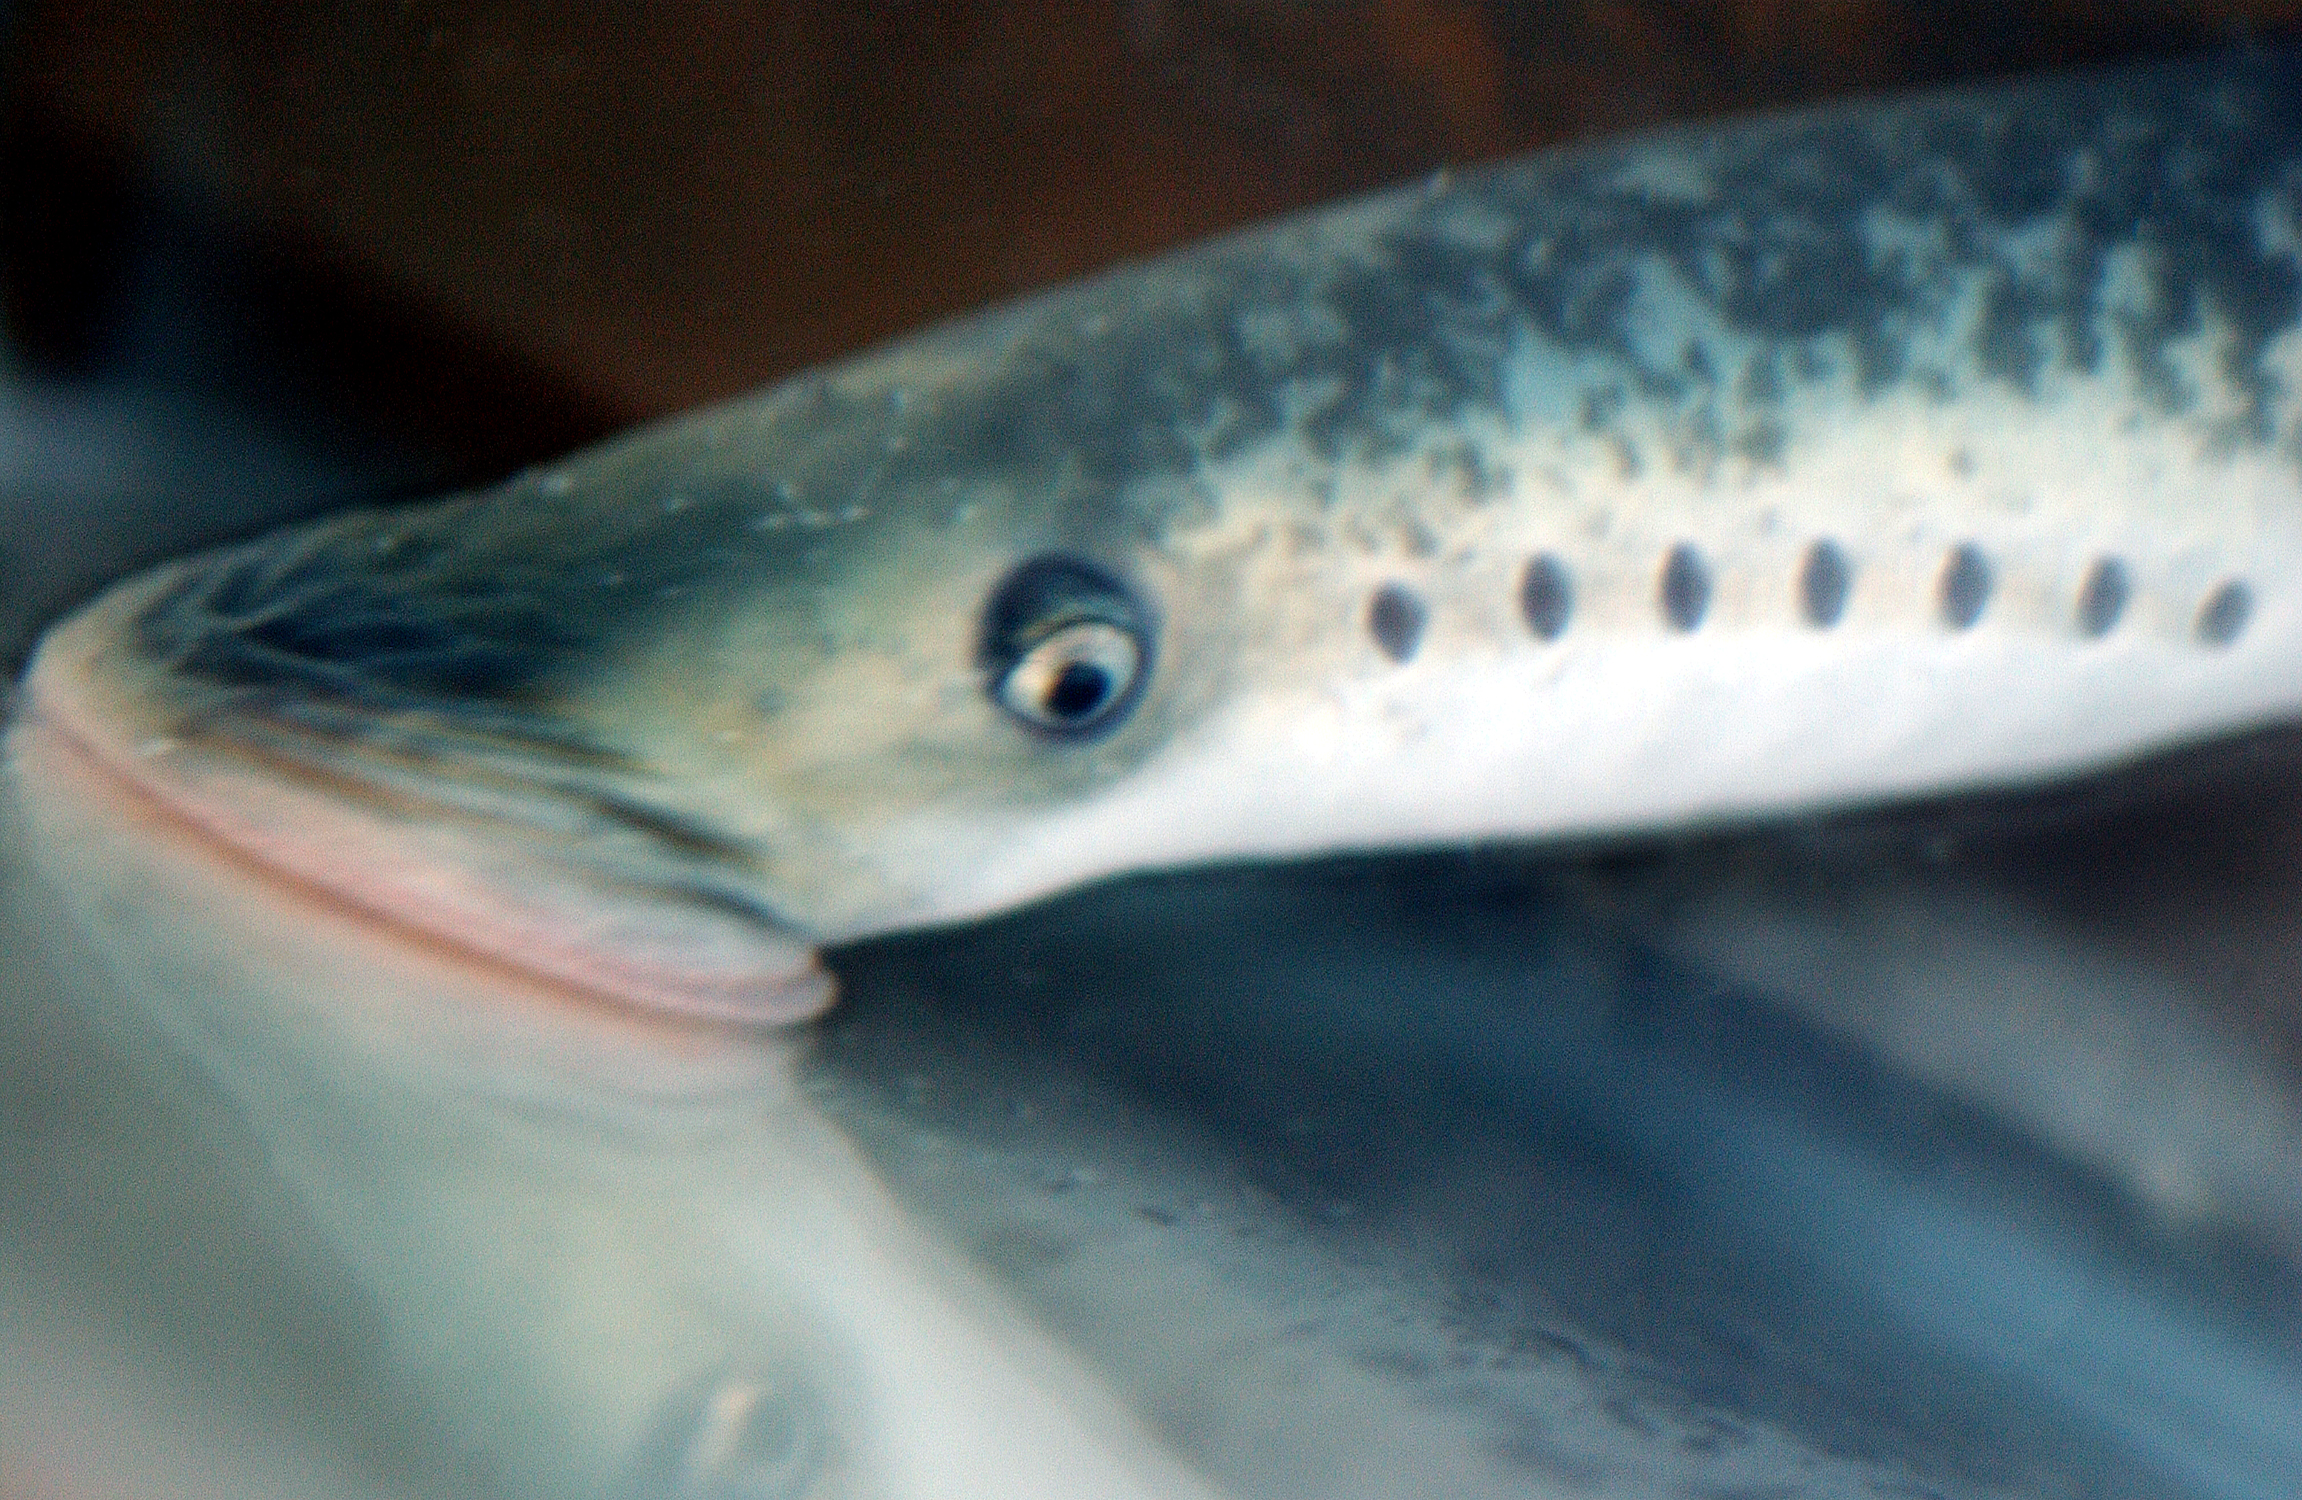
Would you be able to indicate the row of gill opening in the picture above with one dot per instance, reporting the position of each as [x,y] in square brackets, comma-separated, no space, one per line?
[1963,588]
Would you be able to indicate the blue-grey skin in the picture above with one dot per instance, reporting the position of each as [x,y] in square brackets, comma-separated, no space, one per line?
[1705,476]
[1877,449]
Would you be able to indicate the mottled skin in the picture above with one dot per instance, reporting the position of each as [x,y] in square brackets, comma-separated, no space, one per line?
[729,667]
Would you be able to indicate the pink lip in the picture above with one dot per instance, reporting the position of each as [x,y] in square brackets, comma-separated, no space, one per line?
[488,889]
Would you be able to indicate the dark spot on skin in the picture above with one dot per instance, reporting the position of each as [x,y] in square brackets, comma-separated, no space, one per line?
[1823,583]
[1686,587]
[1716,1435]
[2224,615]
[1601,407]
[2006,340]
[1550,1344]
[2102,598]
[1402,1365]
[1546,596]
[1698,443]
[1469,468]
[1553,1466]
[1762,442]
[1761,383]
[1629,1412]
[1395,617]
[1964,591]
[1628,464]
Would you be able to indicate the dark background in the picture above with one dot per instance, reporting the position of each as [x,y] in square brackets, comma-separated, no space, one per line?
[495,231]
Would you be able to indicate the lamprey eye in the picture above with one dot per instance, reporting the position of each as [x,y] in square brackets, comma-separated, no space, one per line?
[1072,680]
[1065,647]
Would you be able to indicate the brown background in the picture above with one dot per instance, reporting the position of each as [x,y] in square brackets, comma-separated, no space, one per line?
[501,229]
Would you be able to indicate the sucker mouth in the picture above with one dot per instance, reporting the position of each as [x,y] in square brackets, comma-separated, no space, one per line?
[391,779]
[588,803]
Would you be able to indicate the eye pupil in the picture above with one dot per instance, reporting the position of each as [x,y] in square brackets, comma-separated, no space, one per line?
[1072,679]
[1065,647]
[1078,690]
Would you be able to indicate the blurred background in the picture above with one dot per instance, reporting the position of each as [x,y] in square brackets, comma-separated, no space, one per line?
[494,230]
